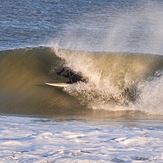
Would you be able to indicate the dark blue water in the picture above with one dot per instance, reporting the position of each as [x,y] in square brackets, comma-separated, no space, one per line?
[115,25]
[28,23]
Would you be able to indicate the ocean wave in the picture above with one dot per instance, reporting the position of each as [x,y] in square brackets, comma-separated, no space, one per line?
[117,82]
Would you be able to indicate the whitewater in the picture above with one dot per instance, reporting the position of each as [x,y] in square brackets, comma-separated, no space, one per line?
[117,116]
[48,140]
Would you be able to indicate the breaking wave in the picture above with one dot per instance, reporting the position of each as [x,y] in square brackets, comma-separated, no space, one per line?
[117,82]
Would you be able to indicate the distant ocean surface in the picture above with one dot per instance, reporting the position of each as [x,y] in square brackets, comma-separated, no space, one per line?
[116,45]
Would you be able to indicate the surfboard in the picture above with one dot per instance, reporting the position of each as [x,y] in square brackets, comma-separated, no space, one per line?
[58,84]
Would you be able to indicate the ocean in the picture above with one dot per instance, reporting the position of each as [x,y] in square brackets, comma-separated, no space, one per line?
[117,116]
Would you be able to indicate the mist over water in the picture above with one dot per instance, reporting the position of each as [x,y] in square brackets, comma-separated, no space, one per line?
[120,27]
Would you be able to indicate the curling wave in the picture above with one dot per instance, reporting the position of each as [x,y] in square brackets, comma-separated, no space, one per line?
[117,82]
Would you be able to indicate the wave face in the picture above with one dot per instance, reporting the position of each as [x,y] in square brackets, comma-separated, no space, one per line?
[118,82]
[23,73]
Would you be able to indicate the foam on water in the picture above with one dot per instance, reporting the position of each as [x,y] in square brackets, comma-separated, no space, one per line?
[45,140]
[151,97]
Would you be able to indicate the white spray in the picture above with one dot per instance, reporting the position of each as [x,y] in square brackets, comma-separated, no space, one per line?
[136,29]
